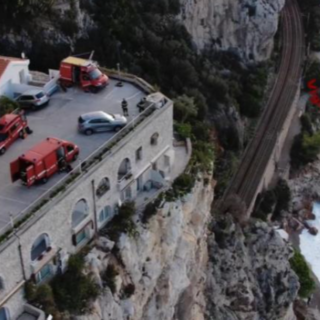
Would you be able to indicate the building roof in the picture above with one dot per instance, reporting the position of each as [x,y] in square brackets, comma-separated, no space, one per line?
[4,62]
[76,61]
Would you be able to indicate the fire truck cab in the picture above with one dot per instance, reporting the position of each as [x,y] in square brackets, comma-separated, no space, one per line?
[12,127]
[83,72]
[43,160]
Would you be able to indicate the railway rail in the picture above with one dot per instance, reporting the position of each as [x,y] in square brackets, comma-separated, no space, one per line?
[259,151]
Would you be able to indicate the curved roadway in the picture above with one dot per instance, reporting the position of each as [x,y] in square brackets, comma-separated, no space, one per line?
[257,155]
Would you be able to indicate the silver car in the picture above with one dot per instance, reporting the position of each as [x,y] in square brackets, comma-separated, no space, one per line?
[33,99]
[100,121]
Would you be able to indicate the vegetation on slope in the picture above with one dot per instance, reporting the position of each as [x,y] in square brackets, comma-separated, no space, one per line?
[73,292]
[301,268]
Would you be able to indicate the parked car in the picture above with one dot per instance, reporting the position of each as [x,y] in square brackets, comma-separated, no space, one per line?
[33,99]
[100,121]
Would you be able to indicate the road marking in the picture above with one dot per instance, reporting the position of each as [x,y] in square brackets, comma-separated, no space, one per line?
[109,93]
[14,200]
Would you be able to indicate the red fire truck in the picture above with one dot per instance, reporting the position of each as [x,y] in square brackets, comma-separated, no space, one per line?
[84,72]
[12,127]
[43,160]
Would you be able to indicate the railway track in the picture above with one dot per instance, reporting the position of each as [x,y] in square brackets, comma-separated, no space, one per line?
[257,155]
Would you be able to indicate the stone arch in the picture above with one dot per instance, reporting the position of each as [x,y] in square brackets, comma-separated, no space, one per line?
[154,139]
[80,212]
[124,168]
[103,187]
[4,313]
[40,246]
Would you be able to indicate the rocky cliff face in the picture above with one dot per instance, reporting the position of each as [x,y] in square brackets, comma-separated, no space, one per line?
[244,26]
[166,264]
[180,272]
[249,276]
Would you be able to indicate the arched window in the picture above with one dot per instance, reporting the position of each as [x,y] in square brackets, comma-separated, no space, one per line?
[154,139]
[1,284]
[40,246]
[124,169]
[103,187]
[80,212]
[4,314]
[105,215]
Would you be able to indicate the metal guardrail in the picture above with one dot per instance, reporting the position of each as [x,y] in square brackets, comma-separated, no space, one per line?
[45,201]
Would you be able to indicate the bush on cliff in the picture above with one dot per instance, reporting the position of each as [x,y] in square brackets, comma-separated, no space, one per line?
[302,270]
[75,291]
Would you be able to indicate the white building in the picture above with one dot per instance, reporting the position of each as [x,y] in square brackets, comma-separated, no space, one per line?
[13,71]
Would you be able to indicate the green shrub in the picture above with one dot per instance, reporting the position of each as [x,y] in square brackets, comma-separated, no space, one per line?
[75,291]
[183,130]
[305,149]
[183,184]
[302,270]
[122,222]
[184,108]
[7,105]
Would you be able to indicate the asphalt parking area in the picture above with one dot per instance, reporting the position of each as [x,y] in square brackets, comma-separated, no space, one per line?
[59,119]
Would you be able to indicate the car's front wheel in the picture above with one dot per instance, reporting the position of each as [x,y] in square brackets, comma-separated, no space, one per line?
[2,151]
[88,132]
[117,128]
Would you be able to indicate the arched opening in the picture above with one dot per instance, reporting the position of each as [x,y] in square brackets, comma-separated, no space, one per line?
[154,139]
[105,215]
[124,169]
[4,314]
[80,212]
[40,246]
[103,187]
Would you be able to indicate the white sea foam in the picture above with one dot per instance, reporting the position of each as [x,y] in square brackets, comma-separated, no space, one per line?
[310,245]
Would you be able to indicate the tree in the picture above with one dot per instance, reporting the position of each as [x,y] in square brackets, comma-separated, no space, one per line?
[7,105]
[305,149]
[184,108]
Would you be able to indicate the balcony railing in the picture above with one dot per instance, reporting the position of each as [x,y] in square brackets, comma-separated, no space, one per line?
[125,180]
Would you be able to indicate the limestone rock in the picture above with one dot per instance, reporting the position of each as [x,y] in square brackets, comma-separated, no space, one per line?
[246,27]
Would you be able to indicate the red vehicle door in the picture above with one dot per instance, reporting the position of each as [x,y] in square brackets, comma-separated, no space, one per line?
[30,175]
[85,80]
[14,131]
[70,152]
[15,170]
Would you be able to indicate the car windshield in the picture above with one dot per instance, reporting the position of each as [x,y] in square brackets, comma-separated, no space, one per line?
[39,95]
[3,136]
[95,74]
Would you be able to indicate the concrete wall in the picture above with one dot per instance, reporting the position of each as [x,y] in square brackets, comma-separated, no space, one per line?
[12,73]
[57,222]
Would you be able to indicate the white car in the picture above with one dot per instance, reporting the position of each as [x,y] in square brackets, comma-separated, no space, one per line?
[33,99]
